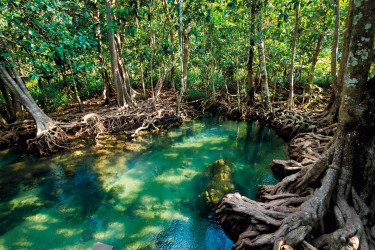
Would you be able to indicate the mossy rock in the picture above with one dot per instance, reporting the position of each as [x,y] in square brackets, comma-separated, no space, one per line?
[220,182]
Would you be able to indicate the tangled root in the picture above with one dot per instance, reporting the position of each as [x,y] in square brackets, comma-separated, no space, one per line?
[127,120]
[146,116]
[48,142]
[292,212]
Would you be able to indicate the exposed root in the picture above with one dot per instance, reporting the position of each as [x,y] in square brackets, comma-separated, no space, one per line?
[49,141]
[291,213]
[131,121]
[125,120]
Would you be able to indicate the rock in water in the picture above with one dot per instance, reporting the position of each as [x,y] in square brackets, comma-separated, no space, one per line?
[101,246]
[220,182]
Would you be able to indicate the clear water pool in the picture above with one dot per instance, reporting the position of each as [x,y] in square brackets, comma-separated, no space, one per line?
[132,195]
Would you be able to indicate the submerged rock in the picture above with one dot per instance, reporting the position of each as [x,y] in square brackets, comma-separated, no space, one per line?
[220,182]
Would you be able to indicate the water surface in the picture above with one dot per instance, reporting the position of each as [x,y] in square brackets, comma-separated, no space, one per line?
[133,195]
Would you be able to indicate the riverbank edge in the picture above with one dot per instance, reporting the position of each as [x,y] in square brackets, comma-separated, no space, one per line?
[85,128]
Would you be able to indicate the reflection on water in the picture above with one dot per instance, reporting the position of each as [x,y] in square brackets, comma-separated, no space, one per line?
[132,195]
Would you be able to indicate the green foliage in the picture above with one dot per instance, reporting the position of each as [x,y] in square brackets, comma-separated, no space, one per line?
[47,35]
[196,94]
[51,96]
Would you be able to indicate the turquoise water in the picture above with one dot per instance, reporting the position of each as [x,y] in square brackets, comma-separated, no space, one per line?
[132,195]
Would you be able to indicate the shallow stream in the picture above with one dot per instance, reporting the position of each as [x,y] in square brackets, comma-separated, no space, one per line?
[140,194]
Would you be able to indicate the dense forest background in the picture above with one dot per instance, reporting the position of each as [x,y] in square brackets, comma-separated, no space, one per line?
[62,52]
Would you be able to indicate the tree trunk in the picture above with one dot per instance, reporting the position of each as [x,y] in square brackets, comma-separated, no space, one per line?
[318,48]
[250,59]
[103,69]
[48,136]
[173,70]
[186,46]
[179,98]
[238,86]
[17,107]
[63,73]
[75,88]
[291,79]
[262,59]
[336,97]
[212,81]
[163,75]
[8,101]
[151,68]
[124,76]
[334,50]
[143,81]
[18,88]
[335,45]
[120,86]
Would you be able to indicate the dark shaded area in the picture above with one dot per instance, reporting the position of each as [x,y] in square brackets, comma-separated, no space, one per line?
[78,193]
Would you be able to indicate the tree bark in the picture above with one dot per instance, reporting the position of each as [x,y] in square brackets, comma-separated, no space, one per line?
[49,136]
[143,81]
[262,58]
[17,107]
[213,63]
[171,34]
[238,87]
[334,51]
[291,79]
[151,67]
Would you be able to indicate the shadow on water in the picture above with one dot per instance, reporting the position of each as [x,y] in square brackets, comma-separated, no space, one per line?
[145,198]
[77,191]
